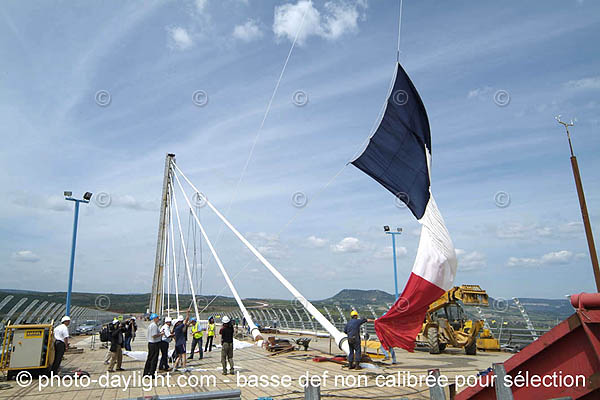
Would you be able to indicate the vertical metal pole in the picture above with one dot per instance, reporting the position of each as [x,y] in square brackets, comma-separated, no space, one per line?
[395,267]
[586,221]
[156,296]
[72,265]
[582,204]
[503,392]
[436,391]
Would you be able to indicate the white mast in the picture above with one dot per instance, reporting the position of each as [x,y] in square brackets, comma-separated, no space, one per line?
[253,329]
[340,338]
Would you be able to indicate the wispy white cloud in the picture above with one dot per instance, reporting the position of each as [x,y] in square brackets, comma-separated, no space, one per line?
[553,258]
[470,261]
[43,202]
[348,245]
[200,5]
[584,83]
[317,242]
[518,230]
[248,31]
[26,256]
[269,245]
[337,19]
[179,38]
[388,253]
[479,92]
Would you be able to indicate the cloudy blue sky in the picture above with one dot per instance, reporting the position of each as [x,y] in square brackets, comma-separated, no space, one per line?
[92,97]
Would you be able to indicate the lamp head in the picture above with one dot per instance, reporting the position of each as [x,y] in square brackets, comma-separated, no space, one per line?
[68,193]
[386,228]
[87,196]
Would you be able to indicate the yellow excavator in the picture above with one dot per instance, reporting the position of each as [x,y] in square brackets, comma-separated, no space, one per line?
[446,322]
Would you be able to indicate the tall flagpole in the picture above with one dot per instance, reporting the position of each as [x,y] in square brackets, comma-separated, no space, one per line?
[582,204]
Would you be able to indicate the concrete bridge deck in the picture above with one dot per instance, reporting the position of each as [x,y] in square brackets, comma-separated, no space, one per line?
[253,362]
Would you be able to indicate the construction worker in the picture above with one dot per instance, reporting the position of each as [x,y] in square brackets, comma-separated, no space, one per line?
[352,329]
[210,334]
[109,328]
[130,329]
[180,331]
[116,346]
[61,343]
[197,334]
[166,337]
[154,338]
[227,345]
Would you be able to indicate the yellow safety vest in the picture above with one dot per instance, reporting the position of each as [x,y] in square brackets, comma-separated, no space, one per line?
[211,329]
[196,332]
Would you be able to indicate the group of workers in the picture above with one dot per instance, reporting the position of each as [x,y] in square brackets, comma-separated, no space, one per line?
[160,337]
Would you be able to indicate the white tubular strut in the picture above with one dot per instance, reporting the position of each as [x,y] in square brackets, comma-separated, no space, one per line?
[340,338]
[253,329]
[174,258]
[168,265]
[187,264]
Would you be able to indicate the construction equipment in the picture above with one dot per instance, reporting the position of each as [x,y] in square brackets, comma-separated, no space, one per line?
[27,348]
[446,322]
[487,341]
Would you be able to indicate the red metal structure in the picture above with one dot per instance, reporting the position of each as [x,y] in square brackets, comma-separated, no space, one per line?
[568,356]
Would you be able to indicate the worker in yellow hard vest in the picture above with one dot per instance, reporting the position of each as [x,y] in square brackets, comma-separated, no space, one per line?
[210,334]
[197,333]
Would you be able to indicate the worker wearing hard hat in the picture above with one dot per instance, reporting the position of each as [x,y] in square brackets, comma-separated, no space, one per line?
[227,344]
[352,329]
[154,338]
[197,334]
[165,340]
[210,334]
[61,343]
[180,331]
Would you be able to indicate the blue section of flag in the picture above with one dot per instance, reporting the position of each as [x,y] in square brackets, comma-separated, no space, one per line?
[396,155]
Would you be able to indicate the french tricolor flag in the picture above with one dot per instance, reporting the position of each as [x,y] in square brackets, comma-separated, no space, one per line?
[398,156]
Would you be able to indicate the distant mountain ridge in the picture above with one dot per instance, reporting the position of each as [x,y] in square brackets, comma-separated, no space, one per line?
[360,297]
[345,298]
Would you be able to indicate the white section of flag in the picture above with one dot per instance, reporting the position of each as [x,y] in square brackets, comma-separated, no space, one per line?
[436,257]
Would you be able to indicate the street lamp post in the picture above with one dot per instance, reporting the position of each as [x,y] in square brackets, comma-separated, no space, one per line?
[86,199]
[398,232]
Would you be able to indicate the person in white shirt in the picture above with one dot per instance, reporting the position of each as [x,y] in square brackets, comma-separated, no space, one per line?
[164,345]
[154,338]
[61,343]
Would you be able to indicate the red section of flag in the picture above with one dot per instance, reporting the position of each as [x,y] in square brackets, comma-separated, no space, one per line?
[400,326]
